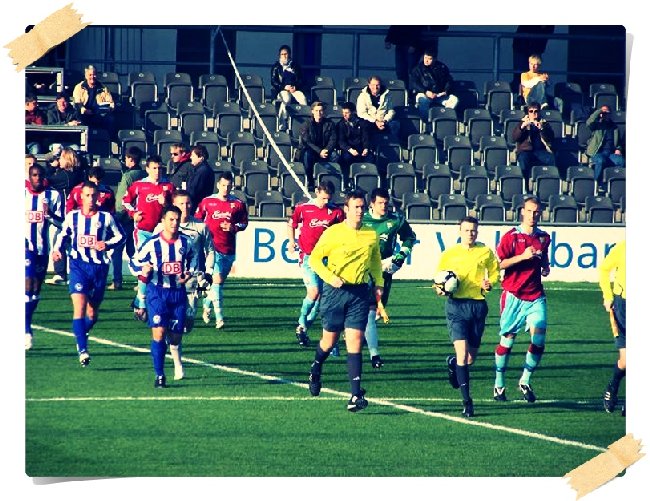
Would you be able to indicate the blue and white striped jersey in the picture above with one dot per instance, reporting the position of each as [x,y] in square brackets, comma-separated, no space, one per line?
[200,238]
[169,259]
[37,223]
[84,231]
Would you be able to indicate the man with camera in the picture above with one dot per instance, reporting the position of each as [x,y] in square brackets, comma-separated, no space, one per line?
[603,146]
[533,138]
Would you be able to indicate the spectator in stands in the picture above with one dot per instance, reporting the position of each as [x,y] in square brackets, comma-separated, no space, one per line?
[286,78]
[33,116]
[67,172]
[94,102]
[406,40]
[431,83]
[353,139]
[62,113]
[179,165]
[131,173]
[200,181]
[533,138]
[534,83]
[603,147]
[317,141]
[374,105]
[523,47]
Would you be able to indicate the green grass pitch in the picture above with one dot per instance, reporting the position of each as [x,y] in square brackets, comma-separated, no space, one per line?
[244,410]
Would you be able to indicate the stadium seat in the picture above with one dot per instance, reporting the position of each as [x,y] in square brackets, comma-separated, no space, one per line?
[214,89]
[227,119]
[324,90]
[599,210]
[329,171]
[581,133]
[437,181]
[478,123]
[99,142]
[192,118]
[509,181]
[210,141]
[178,89]
[416,206]
[498,96]
[112,82]
[452,207]
[156,117]
[283,142]
[131,137]
[143,89]
[473,181]
[545,181]
[410,123]
[614,181]
[458,151]
[240,146]
[401,179]
[603,94]
[268,116]
[442,122]
[510,122]
[554,119]
[255,87]
[219,166]
[364,176]
[387,150]
[352,87]
[254,181]
[298,115]
[566,151]
[110,164]
[467,93]
[490,207]
[563,208]
[494,151]
[288,183]
[421,150]
[398,92]
[269,204]
[580,183]
[568,96]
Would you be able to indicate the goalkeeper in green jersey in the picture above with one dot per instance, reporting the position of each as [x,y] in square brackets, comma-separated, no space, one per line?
[389,226]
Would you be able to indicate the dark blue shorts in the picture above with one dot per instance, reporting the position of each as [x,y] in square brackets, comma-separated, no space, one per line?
[35,265]
[466,320]
[345,308]
[89,279]
[619,315]
[166,307]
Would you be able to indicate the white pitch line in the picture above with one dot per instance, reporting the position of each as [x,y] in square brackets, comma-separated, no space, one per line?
[378,401]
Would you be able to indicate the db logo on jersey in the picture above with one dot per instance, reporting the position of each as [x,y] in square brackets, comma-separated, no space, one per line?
[35,216]
[172,268]
[86,240]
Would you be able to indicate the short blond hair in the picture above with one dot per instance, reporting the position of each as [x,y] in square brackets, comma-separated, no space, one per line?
[535,57]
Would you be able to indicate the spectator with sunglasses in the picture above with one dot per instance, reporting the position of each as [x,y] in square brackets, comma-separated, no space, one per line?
[533,140]
[179,166]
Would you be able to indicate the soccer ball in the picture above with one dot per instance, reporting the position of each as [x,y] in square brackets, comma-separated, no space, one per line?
[446,281]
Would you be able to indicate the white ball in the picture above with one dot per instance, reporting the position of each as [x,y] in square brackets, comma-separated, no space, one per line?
[446,281]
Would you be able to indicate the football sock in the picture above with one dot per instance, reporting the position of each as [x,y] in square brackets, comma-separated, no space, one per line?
[89,322]
[30,307]
[311,316]
[354,372]
[305,310]
[158,349]
[218,301]
[617,376]
[501,356]
[176,353]
[533,357]
[371,334]
[79,331]
[462,373]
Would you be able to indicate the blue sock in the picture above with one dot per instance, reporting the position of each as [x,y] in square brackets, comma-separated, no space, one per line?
[311,316]
[158,350]
[90,322]
[30,306]
[79,330]
[305,310]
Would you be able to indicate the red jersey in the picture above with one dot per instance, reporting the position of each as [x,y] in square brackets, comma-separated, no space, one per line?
[214,211]
[524,280]
[315,220]
[105,199]
[149,198]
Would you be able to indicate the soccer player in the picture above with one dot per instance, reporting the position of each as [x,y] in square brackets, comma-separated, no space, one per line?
[164,263]
[614,303]
[224,215]
[201,243]
[144,201]
[91,234]
[43,207]
[477,269]
[353,260]
[389,226]
[313,218]
[523,255]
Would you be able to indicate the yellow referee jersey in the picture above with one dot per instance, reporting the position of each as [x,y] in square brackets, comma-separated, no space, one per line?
[352,255]
[470,267]
[615,260]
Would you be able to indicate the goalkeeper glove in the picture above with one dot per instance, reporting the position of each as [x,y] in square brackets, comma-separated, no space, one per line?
[397,262]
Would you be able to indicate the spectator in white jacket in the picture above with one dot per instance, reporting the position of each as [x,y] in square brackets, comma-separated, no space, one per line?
[374,105]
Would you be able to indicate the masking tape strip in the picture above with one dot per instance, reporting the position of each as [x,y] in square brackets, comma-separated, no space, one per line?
[604,467]
[50,32]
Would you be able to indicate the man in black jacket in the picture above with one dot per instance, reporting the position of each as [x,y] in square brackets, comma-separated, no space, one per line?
[286,79]
[431,83]
[354,139]
[200,182]
[179,166]
[317,141]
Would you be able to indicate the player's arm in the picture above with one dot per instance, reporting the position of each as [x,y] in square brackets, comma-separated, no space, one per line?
[55,210]
[240,218]
[292,224]
[129,198]
[492,272]
[407,239]
[71,202]
[605,269]
[62,238]
[118,237]
[140,263]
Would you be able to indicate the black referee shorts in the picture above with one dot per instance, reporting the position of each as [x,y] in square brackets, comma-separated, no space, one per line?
[466,320]
[345,308]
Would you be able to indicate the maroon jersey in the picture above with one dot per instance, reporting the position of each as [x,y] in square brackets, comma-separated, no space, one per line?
[214,211]
[149,198]
[105,199]
[524,279]
[315,220]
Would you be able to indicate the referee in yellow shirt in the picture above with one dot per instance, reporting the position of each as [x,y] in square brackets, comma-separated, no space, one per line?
[477,269]
[352,254]
[614,303]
